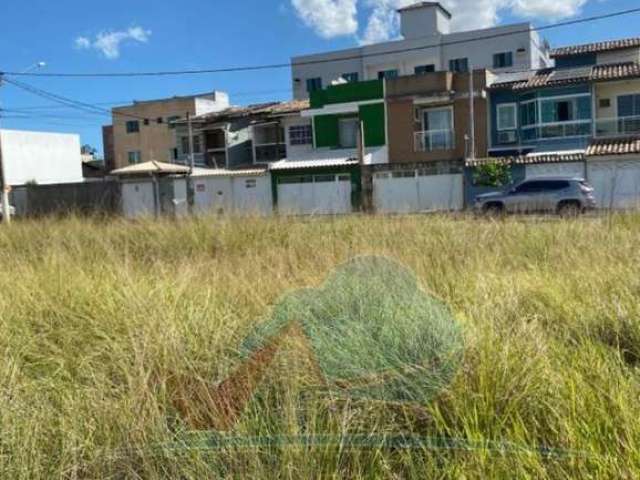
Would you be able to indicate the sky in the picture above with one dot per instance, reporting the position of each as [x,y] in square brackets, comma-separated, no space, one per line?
[123,36]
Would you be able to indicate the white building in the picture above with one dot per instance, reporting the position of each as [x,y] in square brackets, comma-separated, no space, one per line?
[427,45]
[40,157]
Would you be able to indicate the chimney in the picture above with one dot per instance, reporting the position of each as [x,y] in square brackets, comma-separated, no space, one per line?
[424,19]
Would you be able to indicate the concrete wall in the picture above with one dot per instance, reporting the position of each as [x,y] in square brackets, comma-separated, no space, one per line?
[405,95]
[40,157]
[418,22]
[611,91]
[479,52]
[619,56]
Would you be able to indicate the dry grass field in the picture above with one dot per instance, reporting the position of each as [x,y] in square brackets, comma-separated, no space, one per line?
[105,323]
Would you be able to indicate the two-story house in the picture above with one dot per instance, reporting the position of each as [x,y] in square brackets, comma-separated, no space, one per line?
[428,45]
[143,131]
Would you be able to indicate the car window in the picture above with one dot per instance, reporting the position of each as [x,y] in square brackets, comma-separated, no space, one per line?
[554,185]
[528,187]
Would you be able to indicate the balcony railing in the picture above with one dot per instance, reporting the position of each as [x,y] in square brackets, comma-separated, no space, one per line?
[546,131]
[618,126]
[433,140]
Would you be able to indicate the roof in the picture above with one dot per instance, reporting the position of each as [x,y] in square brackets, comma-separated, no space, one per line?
[152,167]
[266,109]
[616,146]
[553,77]
[209,95]
[223,172]
[532,158]
[317,163]
[418,5]
[597,47]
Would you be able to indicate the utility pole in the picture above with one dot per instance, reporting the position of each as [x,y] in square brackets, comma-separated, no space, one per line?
[472,120]
[190,130]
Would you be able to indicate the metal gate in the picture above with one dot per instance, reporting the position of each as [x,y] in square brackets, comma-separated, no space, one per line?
[138,199]
[414,191]
[324,194]
[616,183]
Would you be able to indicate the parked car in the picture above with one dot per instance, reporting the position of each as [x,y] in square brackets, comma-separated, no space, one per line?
[12,211]
[566,196]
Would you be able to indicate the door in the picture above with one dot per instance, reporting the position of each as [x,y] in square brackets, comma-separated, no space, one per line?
[395,192]
[212,194]
[180,201]
[138,199]
[328,194]
[616,183]
[440,192]
[252,195]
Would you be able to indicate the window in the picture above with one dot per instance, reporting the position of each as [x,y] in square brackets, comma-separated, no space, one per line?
[565,109]
[250,183]
[422,69]
[629,106]
[314,84]
[459,65]
[605,103]
[507,116]
[387,74]
[133,126]
[300,135]
[197,144]
[174,153]
[351,77]
[438,129]
[146,121]
[134,157]
[172,119]
[348,132]
[528,115]
[503,60]
[159,120]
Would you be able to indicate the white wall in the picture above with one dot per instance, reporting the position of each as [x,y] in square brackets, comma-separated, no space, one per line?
[295,151]
[619,56]
[43,158]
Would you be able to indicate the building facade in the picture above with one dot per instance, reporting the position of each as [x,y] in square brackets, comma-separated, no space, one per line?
[428,45]
[143,131]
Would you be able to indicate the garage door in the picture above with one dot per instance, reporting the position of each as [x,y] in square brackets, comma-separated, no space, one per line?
[554,169]
[315,194]
[616,183]
[212,194]
[413,191]
[138,199]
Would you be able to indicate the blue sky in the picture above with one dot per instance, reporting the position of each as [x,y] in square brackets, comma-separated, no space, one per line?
[120,36]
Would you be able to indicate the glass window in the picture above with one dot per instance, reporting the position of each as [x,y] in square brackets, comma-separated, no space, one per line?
[438,129]
[348,132]
[528,115]
[566,109]
[350,77]
[300,135]
[422,69]
[503,60]
[324,178]
[314,84]
[507,117]
[629,106]
[459,65]
[133,126]
[134,157]
[159,120]
[197,144]
[387,74]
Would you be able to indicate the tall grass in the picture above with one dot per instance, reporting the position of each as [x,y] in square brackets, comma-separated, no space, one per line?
[104,323]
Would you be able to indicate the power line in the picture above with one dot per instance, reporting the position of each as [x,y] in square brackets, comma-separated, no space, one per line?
[249,68]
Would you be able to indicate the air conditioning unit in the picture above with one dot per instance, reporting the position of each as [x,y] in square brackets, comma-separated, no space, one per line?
[508,136]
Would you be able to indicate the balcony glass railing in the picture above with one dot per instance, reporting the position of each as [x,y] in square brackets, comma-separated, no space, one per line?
[270,152]
[547,131]
[433,140]
[618,126]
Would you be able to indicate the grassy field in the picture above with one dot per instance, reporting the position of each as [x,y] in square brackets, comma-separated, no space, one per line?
[103,324]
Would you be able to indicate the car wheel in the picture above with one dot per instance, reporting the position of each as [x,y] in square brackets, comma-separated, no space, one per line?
[569,210]
[493,210]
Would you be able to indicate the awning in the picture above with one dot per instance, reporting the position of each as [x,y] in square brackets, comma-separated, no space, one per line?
[152,167]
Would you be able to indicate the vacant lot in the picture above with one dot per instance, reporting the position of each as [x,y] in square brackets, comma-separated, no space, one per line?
[103,324]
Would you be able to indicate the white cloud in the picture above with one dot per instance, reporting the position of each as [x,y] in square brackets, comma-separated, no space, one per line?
[328,18]
[332,18]
[109,42]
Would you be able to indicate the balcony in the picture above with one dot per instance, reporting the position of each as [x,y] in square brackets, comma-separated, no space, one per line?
[434,140]
[618,126]
[268,143]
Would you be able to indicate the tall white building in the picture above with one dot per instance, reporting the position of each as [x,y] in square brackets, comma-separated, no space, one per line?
[428,44]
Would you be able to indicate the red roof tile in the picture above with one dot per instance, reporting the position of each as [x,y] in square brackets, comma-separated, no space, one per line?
[620,146]
[597,47]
